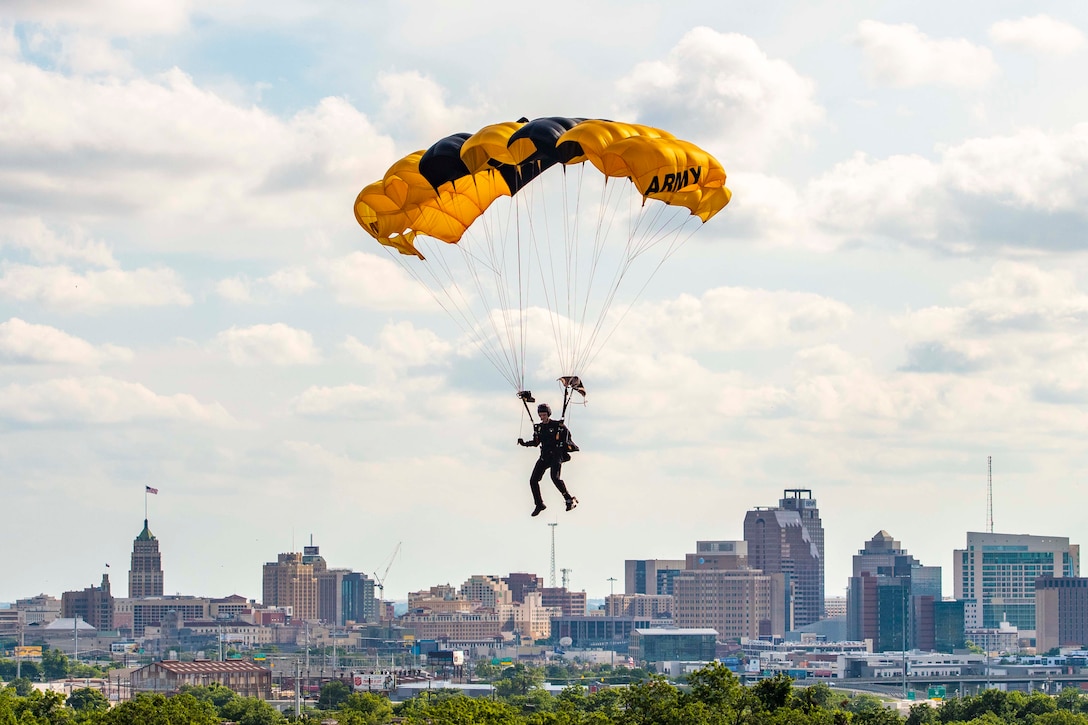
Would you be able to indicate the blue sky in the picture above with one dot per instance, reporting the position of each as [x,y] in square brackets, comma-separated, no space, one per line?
[896,291]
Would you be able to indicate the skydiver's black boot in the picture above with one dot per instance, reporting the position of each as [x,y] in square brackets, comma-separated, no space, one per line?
[571,502]
[540,507]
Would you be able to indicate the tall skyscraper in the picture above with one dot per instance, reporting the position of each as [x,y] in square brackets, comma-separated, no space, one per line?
[789,540]
[892,597]
[145,572]
[996,576]
[345,596]
[289,582]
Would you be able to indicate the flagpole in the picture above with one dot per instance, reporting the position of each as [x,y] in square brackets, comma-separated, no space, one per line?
[145,502]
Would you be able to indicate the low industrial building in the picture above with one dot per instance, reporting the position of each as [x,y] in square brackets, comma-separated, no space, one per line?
[247,679]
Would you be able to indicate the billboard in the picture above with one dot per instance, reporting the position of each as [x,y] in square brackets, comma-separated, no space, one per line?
[28,651]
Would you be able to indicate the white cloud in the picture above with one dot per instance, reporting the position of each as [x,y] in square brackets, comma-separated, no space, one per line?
[347,401]
[401,344]
[179,154]
[903,56]
[722,91]
[1021,317]
[23,342]
[275,344]
[290,281]
[121,17]
[62,288]
[414,108]
[1038,34]
[732,318]
[368,280]
[1011,192]
[44,244]
[100,399]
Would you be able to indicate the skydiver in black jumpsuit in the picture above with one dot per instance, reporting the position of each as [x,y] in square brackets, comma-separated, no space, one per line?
[554,440]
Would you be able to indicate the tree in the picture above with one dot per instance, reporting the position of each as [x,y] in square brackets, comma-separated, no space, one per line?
[215,693]
[366,708]
[54,664]
[87,699]
[922,714]
[250,711]
[332,695]
[518,680]
[774,692]
[21,685]
[148,709]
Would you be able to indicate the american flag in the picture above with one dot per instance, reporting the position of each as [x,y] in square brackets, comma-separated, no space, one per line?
[148,489]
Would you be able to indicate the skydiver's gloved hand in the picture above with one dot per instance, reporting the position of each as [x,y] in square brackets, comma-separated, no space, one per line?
[521,441]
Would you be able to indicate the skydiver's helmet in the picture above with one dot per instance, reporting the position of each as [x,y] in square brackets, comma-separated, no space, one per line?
[544,408]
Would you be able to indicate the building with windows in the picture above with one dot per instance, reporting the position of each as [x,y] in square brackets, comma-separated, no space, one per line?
[571,604]
[345,596]
[717,590]
[94,605]
[290,582]
[949,631]
[650,576]
[40,609]
[488,590]
[666,644]
[145,571]
[639,605]
[891,597]
[789,540]
[997,573]
[1061,613]
[135,615]
[521,583]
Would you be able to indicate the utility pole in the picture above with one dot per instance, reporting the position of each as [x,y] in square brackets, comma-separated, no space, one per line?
[298,690]
[551,580]
[989,494]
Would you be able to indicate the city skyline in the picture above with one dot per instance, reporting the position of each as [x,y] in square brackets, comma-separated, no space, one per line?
[140,553]
[896,291]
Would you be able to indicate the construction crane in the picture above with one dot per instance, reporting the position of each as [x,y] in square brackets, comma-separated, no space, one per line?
[380,581]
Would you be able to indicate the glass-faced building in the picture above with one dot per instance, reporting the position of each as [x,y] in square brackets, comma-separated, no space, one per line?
[997,572]
[672,645]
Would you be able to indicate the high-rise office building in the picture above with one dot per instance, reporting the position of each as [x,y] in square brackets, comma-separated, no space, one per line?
[145,571]
[94,605]
[289,582]
[789,540]
[345,596]
[1061,613]
[996,574]
[717,590]
[891,597]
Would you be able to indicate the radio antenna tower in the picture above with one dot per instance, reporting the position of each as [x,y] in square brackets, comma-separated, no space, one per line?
[989,494]
[551,578]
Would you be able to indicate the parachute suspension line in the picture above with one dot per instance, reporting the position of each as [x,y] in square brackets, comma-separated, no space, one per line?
[494,264]
[606,219]
[678,241]
[551,301]
[449,306]
[496,354]
[570,238]
[641,238]
[600,237]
